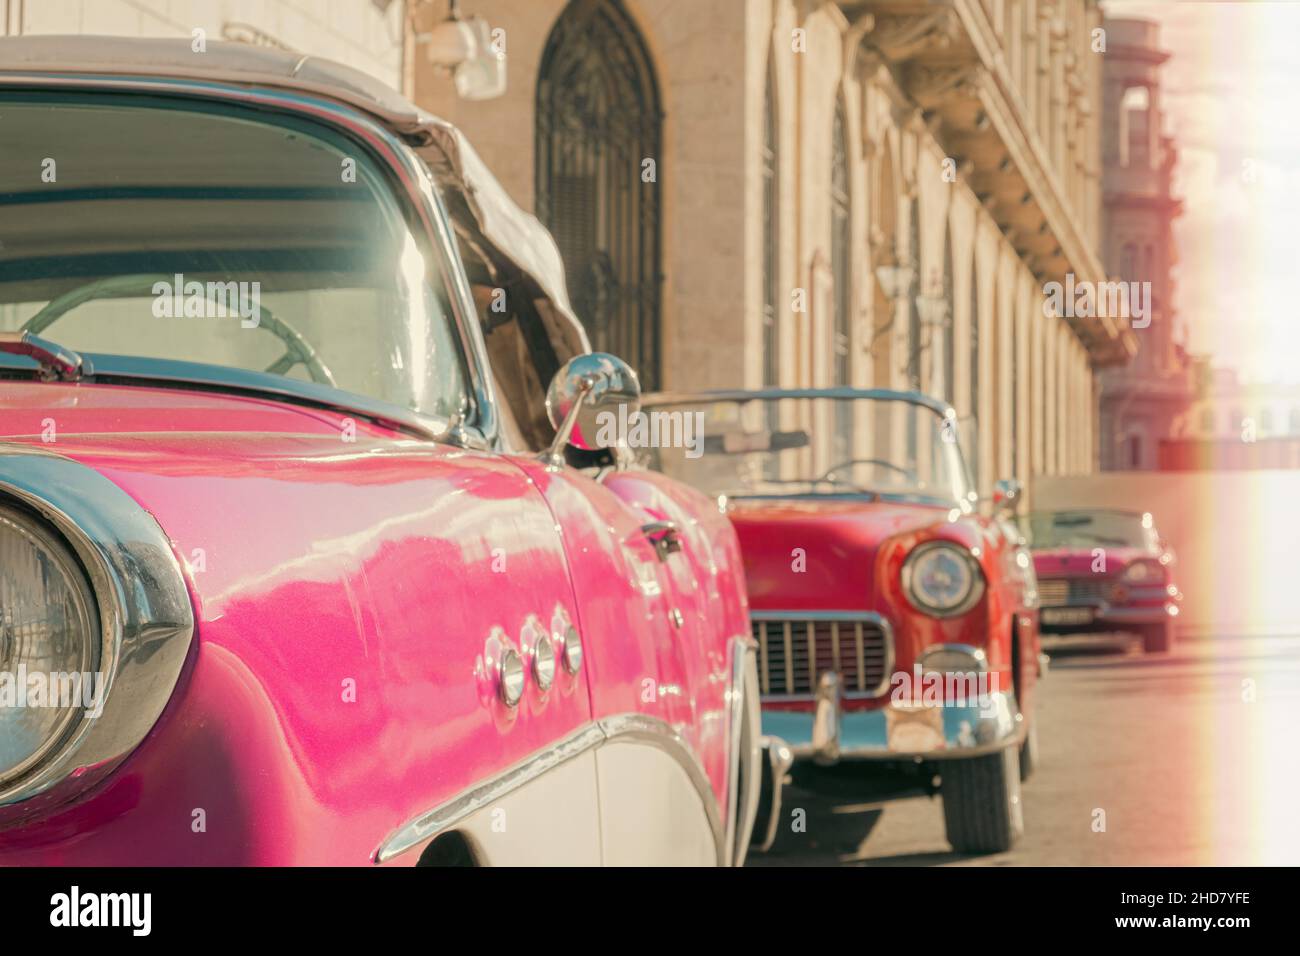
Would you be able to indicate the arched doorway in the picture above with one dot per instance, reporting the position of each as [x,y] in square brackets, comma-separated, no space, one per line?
[599,129]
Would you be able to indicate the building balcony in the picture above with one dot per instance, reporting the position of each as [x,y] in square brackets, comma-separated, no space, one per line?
[954,64]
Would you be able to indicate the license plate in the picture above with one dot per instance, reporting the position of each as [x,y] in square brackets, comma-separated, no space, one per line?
[1066,615]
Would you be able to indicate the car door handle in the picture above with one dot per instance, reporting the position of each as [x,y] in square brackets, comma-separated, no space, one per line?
[664,536]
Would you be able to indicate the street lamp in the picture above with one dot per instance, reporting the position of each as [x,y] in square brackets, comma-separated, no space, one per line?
[451,42]
[470,52]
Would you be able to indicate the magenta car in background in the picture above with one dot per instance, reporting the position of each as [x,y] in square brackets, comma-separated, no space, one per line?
[1101,570]
[306,530]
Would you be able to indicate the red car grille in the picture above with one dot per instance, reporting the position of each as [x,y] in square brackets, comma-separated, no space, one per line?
[794,652]
[1058,592]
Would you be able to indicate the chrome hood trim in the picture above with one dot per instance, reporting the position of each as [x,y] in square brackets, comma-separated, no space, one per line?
[590,736]
[136,370]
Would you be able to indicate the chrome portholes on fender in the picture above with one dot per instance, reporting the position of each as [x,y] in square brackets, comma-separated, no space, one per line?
[572,650]
[539,645]
[510,677]
[549,658]
[501,674]
[569,642]
[137,615]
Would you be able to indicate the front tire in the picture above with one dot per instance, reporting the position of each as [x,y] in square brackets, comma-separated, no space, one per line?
[1158,638]
[981,802]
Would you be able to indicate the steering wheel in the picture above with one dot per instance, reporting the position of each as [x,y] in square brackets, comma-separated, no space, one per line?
[298,350]
[907,473]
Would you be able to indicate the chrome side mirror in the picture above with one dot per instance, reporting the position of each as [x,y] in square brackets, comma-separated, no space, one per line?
[584,392]
[1006,494]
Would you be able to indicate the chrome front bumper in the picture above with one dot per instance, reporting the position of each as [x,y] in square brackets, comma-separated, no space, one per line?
[828,734]
[1116,615]
[1121,614]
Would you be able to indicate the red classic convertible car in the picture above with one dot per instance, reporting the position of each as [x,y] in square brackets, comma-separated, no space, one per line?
[894,621]
[1103,570]
[283,576]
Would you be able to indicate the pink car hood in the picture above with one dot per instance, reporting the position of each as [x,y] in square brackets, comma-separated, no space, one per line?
[295,536]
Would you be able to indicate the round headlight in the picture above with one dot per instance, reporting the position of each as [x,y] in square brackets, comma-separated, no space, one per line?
[942,579]
[1144,573]
[49,628]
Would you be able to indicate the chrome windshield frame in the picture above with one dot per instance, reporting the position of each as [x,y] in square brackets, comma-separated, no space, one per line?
[479,426]
[964,497]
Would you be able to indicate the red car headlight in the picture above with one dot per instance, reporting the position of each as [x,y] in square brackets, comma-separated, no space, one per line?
[942,578]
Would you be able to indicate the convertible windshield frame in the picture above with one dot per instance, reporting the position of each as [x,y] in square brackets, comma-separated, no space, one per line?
[963,495]
[413,190]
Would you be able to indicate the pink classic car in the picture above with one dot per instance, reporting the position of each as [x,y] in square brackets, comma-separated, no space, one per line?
[895,622]
[1104,570]
[297,562]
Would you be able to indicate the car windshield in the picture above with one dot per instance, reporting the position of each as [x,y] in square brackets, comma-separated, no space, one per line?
[807,446]
[1089,529]
[181,230]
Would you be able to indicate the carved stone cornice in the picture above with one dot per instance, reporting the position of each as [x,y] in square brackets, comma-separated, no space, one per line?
[981,151]
[901,36]
[947,58]
[930,84]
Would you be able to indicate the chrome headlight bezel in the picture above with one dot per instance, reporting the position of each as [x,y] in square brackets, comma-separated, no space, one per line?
[914,564]
[146,620]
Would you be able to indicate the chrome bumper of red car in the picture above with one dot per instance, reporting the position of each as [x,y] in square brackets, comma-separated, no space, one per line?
[895,731]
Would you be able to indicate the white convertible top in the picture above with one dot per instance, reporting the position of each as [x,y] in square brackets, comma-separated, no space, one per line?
[222,61]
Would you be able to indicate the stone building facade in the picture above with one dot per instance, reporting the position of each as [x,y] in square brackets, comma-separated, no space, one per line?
[872,193]
[1141,403]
